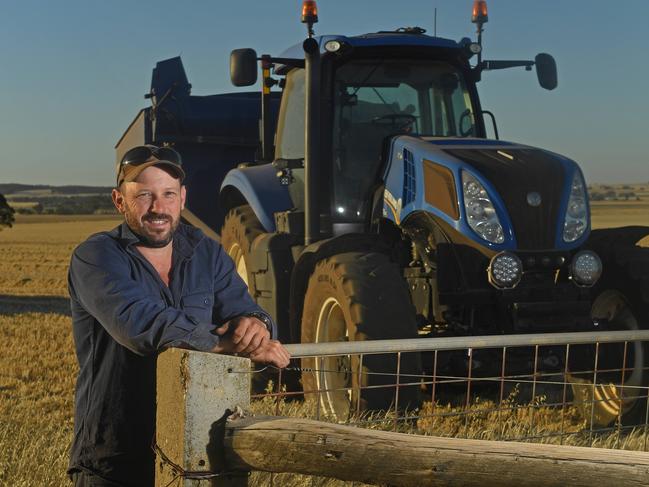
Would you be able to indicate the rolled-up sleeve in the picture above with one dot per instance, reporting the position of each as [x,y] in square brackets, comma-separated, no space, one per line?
[100,280]
[231,297]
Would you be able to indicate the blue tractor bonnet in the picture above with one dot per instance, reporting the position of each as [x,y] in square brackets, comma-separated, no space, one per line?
[405,187]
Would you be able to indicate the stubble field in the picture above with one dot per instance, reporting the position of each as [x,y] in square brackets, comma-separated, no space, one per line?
[37,363]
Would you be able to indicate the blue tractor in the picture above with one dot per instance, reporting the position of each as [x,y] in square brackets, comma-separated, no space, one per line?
[365,201]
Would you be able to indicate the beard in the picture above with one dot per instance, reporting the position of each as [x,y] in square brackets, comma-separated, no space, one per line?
[149,237]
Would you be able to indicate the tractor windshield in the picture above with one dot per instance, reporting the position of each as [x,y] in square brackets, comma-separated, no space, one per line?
[375,99]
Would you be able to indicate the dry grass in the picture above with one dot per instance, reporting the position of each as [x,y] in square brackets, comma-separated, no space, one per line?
[38,367]
[620,213]
[35,253]
[36,384]
[486,420]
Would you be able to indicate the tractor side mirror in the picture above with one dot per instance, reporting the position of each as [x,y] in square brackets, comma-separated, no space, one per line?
[243,67]
[546,71]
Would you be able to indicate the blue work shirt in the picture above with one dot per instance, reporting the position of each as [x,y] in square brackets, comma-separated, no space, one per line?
[122,316]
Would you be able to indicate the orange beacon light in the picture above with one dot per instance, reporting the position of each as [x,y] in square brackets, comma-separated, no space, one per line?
[309,12]
[479,14]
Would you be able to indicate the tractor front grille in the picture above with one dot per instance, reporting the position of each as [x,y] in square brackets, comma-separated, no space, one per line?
[515,175]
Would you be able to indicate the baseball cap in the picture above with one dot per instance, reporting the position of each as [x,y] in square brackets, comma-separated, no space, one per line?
[138,158]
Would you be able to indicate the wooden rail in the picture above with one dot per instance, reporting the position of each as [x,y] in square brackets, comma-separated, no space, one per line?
[275,444]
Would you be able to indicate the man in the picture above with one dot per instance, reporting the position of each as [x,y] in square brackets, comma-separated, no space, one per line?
[149,284]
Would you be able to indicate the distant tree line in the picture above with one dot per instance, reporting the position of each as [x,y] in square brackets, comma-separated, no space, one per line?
[612,195]
[11,188]
[66,205]
[6,213]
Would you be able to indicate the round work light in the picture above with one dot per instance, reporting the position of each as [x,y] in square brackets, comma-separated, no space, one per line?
[586,268]
[505,270]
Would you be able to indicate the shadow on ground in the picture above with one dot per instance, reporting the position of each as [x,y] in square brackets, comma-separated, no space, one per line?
[12,304]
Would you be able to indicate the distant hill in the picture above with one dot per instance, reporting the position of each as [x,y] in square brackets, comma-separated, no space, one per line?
[13,188]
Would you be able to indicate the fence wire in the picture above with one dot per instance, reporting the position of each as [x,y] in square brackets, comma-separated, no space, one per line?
[571,393]
[588,389]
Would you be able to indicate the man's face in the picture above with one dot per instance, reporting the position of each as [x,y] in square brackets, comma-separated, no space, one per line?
[151,205]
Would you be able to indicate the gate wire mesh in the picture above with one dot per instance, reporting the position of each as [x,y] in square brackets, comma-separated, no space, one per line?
[585,391]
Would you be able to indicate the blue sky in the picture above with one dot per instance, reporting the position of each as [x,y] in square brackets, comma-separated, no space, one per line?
[73,73]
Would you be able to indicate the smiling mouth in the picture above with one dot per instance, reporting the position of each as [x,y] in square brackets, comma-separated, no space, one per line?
[157,220]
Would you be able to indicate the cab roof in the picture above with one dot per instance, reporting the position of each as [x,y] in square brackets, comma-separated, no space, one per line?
[402,37]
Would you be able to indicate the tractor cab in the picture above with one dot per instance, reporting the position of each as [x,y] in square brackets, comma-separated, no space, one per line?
[369,94]
[361,92]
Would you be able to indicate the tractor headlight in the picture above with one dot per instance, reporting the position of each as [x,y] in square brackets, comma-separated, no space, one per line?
[505,270]
[480,212]
[586,268]
[576,219]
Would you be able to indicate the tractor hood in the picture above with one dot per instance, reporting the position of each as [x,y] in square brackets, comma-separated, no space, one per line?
[516,172]
[529,187]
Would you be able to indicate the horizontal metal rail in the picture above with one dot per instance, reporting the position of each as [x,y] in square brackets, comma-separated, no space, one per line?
[458,343]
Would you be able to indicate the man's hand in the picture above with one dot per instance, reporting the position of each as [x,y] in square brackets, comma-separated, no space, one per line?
[272,353]
[249,337]
[246,334]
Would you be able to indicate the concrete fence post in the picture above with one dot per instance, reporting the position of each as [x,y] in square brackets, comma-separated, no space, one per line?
[194,392]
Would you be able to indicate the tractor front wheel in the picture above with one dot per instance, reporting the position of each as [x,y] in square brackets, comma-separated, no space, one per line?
[240,228]
[354,297]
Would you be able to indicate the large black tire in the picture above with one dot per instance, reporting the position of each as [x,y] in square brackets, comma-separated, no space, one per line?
[355,296]
[621,298]
[240,228]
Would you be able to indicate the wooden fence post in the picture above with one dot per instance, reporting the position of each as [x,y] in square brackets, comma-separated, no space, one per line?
[194,391]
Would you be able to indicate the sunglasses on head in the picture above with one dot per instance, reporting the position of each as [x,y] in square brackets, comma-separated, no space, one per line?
[144,153]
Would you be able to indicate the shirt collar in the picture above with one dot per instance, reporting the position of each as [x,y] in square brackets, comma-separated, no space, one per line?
[185,240]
